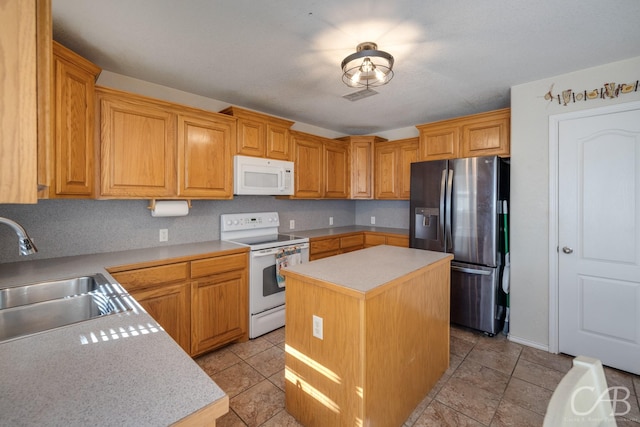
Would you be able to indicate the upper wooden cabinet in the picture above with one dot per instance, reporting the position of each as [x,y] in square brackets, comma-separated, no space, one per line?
[485,134]
[261,135]
[25,58]
[361,149]
[321,167]
[72,152]
[154,149]
[393,168]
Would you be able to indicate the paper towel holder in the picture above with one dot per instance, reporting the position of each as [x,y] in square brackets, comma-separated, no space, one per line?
[152,203]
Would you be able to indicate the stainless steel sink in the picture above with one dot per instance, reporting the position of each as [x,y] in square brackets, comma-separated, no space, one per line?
[38,307]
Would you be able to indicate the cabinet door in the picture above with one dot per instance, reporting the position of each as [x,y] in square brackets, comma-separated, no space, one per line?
[336,170]
[408,153]
[439,142]
[278,146]
[386,171]
[138,145]
[308,167]
[219,311]
[362,170]
[18,102]
[251,137]
[169,306]
[487,136]
[204,156]
[73,115]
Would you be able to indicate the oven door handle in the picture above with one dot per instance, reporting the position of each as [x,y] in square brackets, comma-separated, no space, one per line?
[267,252]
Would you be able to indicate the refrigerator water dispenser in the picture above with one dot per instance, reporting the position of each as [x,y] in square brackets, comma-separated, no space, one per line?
[427,220]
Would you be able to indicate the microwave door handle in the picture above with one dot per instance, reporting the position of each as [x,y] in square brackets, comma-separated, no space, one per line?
[281,180]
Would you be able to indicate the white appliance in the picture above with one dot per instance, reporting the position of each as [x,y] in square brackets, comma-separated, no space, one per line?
[259,231]
[258,176]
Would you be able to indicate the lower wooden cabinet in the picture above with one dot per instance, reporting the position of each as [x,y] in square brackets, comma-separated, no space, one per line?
[219,301]
[164,292]
[202,303]
[323,247]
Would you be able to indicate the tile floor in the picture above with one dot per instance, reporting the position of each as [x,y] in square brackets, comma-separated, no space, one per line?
[490,382]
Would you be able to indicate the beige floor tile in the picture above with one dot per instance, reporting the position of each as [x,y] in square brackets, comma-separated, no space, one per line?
[282,419]
[537,374]
[616,378]
[258,404]
[499,344]
[231,419]
[267,362]
[503,362]
[482,377]
[511,415]
[437,415]
[464,333]
[527,395]
[246,349]
[275,337]
[459,346]
[278,379]
[559,362]
[217,361]
[469,400]
[237,378]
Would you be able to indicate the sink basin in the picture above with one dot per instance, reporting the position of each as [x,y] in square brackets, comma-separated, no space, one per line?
[28,309]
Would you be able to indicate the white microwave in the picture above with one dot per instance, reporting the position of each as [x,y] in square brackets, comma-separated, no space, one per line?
[258,176]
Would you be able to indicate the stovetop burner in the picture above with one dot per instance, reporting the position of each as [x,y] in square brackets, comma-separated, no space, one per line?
[256,230]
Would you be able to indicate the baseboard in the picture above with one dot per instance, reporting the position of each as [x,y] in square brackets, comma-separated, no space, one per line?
[528,343]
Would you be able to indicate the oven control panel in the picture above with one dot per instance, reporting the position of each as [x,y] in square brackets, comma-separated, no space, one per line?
[249,221]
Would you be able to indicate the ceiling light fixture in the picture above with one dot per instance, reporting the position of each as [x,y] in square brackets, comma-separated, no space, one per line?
[368,67]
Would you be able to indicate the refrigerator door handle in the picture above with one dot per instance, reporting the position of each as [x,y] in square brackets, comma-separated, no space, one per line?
[443,190]
[449,238]
[470,270]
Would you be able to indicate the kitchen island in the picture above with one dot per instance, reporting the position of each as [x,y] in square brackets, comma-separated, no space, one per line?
[367,335]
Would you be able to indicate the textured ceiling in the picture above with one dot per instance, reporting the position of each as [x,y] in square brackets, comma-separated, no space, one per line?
[283,57]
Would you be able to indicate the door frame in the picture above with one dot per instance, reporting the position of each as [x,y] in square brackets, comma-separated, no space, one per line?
[554,172]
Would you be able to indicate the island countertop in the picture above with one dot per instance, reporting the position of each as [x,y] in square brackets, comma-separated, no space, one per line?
[367,269]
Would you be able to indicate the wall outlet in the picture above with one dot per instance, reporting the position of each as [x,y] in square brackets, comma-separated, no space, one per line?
[164,235]
[373,220]
[330,220]
[292,224]
[317,327]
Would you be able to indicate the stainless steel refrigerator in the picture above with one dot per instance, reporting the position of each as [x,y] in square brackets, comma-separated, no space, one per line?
[456,207]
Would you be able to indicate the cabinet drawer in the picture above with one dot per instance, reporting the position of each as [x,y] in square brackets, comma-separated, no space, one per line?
[209,266]
[374,239]
[147,277]
[398,241]
[325,245]
[351,241]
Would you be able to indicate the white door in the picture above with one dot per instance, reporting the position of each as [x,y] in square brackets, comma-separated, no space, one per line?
[599,238]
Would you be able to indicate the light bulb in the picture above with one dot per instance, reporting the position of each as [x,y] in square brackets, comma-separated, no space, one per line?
[379,75]
[356,77]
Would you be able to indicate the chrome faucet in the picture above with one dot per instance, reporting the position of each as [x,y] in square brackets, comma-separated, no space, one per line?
[26,245]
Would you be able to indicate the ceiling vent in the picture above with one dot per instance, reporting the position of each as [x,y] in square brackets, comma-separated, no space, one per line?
[361,94]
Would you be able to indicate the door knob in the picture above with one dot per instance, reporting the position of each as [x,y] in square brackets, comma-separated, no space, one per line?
[567,250]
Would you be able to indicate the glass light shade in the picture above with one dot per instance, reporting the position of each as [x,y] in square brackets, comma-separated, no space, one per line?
[367,67]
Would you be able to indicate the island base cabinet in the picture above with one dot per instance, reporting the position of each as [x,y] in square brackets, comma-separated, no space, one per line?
[380,354]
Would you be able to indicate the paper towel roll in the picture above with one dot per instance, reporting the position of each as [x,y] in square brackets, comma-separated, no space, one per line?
[170,208]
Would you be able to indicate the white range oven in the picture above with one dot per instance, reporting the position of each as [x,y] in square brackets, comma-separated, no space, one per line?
[268,250]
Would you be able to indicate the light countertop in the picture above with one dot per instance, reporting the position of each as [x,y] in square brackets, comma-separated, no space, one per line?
[369,268]
[120,370]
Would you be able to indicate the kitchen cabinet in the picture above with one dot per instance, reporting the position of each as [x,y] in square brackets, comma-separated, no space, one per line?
[202,303]
[321,167]
[323,247]
[25,55]
[72,151]
[219,301]
[164,292]
[205,163]
[361,153]
[485,134]
[154,149]
[261,135]
[393,168]
[375,239]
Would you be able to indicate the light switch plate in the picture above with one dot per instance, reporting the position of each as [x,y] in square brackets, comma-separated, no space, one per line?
[292,224]
[318,331]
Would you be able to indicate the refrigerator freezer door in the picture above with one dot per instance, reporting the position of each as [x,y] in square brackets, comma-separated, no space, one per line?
[474,297]
[474,210]
[427,205]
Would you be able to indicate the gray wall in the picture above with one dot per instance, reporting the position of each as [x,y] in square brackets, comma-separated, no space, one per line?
[75,227]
